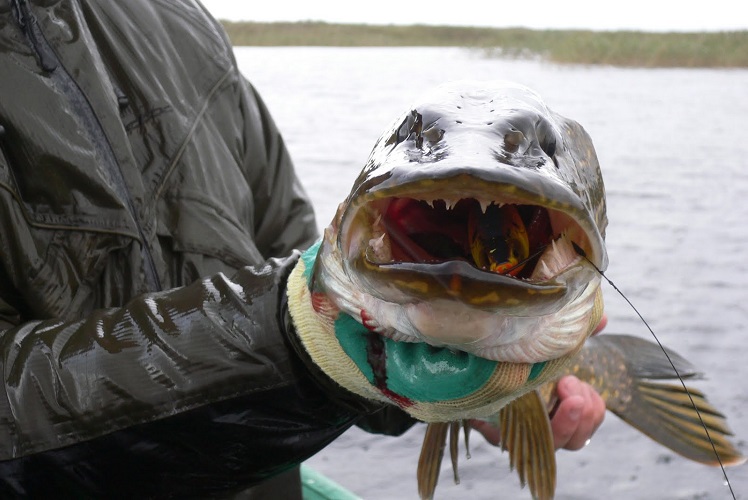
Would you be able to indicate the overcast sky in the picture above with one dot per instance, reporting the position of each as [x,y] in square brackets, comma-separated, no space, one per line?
[647,15]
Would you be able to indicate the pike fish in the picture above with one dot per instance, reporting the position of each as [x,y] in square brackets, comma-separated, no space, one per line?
[462,273]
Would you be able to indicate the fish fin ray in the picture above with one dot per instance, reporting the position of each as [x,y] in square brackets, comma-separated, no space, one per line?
[454,438]
[664,413]
[526,434]
[430,459]
[466,428]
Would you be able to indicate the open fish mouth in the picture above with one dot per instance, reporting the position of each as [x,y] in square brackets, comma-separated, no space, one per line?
[505,252]
[504,239]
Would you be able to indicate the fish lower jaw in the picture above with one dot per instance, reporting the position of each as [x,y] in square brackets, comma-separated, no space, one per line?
[515,339]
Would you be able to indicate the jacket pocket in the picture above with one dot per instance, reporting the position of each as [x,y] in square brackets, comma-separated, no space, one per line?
[50,263]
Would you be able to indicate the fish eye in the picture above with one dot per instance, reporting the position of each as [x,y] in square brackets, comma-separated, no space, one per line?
[549,147]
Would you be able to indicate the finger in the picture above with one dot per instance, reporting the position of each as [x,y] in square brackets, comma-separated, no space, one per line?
[489,431]
[580,412]
[601,325]
[590,419]
[565,422]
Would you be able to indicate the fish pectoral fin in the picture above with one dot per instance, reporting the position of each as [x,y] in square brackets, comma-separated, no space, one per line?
[430,459]
[666,413]
[526,433]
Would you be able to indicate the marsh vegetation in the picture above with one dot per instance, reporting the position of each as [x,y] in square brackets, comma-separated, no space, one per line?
[615,48]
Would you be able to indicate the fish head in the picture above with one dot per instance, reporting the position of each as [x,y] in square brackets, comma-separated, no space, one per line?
[477,224]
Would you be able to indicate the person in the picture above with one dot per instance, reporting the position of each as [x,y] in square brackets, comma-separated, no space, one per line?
[149,213]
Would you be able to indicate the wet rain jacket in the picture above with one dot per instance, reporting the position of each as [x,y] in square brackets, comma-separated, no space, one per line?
[135,158]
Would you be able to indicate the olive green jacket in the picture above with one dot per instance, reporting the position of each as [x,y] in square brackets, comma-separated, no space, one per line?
[136,158]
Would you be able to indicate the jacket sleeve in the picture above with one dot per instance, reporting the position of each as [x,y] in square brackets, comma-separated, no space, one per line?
[195,391]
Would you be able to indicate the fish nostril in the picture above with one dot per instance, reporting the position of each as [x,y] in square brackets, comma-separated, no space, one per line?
[433,134]
[512,140]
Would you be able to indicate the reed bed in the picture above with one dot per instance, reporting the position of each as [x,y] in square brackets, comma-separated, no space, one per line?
[616,48]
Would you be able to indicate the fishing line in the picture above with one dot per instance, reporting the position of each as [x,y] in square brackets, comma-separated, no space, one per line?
[706,430]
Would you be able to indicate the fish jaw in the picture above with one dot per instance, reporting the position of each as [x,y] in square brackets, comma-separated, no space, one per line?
[477,226]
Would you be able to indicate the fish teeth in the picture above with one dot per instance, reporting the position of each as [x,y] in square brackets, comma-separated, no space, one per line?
[451,203]
[380,248]
[484,204]
[546,271]
[557,257]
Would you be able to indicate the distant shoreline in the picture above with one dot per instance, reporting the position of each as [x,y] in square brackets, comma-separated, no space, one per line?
[727,49]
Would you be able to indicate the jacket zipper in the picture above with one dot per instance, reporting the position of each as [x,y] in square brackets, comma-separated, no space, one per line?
[50,63]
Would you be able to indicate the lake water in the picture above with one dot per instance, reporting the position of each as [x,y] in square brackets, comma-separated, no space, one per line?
[673,145]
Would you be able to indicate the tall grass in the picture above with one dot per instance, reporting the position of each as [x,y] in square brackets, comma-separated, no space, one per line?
[619,48]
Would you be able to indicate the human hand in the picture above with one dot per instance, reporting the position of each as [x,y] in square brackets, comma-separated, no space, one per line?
[579,412]
[580,409]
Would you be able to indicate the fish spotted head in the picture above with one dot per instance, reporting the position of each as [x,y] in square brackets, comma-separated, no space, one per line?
[476,224]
